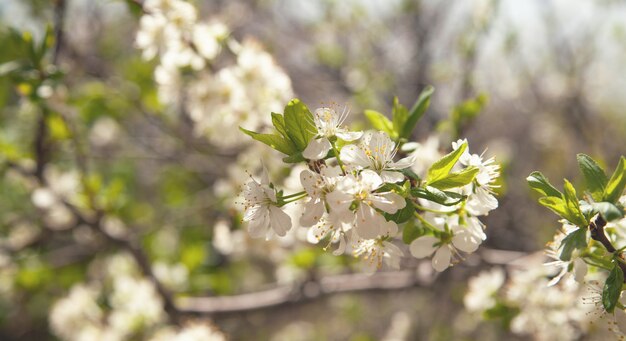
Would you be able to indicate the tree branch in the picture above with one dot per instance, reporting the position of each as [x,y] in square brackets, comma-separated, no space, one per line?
[596,229]
[303,291]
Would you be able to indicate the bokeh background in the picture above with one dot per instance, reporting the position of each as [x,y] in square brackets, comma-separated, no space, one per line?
[531,82]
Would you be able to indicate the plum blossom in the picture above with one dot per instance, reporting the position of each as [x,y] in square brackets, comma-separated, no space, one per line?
[376,152]
[361,190]
[466,238]
[328,124]
[262,211]
[374,251]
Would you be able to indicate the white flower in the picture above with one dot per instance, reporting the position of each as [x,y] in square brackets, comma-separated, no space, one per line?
[376,152]
[482,290]
[261,210]
[207,37]
[374,251]
[361,190]
[328,124]
[465,238]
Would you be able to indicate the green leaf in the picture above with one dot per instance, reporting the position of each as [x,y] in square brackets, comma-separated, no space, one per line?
[574,214]
[273,140]
[576,239]
[417,111]
[612,288]
[380,122]
[445,198]
[294,158]
[595,178]
[299,124]
[410,174]
[403,215]
[411,231]
[616,184]
[539,183]
[278,121]
[399,115]
[442,167]
[458,179]
[608,211]
[557,205]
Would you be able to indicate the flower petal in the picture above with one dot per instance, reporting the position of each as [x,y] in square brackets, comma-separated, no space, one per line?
[279,220]
[441,260]
[391,177]
[349,135]
[258,227]
[317,149]
[354,156]
[423,246]
[313,212]
[367,222]
[310,182]
[388,202]
[465,241]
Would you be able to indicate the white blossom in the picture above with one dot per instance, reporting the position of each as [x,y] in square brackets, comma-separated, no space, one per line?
[262,212]
[376,152]
[328,125]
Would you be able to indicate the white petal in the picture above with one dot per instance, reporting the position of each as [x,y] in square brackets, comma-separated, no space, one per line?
[280,221]
[388,202]
[465,241]
[391,177]
[313,212]
[342,246]
[254,212]
[389,228]
[310,182]
[423,246]
[367,222]
[338,201]
[354,156]
[403,163]
[441,260]
[317,149]
[258,227]
[370,180]
[349,135]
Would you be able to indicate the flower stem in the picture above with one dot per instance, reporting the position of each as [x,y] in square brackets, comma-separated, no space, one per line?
[341,165]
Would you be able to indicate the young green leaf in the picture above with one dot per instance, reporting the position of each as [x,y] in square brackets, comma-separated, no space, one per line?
[278,121]
[399,115]
[442,167]
[595,178]
[294,158]
[299,124]
[411,231]
[445,198]
[273,140]
[612,288]
[574,214]
[539,183]
[574,240]
[417,111]
[380,122]
[458,179]
[616,184]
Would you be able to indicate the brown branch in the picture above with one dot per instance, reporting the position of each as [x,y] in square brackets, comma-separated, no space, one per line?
[303,291]
[596,229]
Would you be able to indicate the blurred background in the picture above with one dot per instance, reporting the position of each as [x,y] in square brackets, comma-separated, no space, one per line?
[531,82]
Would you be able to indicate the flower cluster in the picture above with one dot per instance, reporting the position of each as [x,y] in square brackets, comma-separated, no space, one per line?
[361,193]
[562,297]
[217,100]
[122,306]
